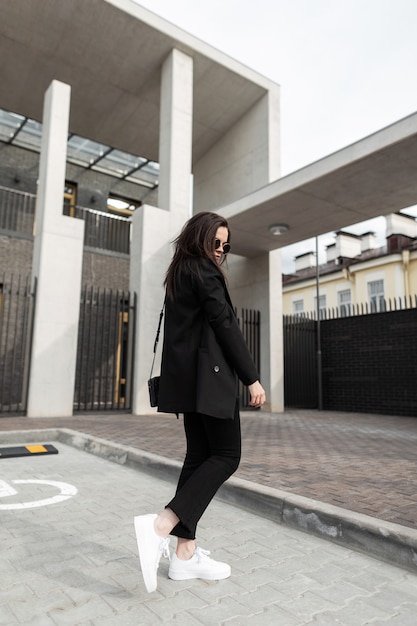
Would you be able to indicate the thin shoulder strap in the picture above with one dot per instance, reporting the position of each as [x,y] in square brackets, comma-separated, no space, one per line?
[155,345]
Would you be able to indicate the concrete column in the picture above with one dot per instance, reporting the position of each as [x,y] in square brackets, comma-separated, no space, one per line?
[153,229]
[175,134]
[57,266]
[276,340]
[150,254]
[273,133]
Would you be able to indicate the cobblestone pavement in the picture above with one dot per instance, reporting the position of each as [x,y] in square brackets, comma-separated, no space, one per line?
[363,463]
[75,561]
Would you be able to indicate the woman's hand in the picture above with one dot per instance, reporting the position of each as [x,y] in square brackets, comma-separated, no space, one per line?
[257,394]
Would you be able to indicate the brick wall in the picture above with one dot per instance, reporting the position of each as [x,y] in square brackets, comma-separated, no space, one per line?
[369,363]
[99,269]
[19,168]
[106,270]
[15,255]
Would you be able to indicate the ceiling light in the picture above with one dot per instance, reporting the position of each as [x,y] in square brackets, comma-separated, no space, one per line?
[278,229]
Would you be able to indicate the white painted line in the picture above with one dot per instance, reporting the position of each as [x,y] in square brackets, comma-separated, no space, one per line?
[6,489]
[66,491]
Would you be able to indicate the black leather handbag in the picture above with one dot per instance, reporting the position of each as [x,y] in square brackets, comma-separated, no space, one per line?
[153,386]
[153,382]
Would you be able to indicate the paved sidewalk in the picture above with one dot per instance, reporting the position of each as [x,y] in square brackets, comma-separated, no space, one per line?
[363,463]
[75,562]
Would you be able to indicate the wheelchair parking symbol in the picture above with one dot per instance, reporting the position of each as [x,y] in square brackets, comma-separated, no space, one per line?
[65,490]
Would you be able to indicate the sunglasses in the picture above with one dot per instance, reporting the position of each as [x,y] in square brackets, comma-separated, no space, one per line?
[225,247]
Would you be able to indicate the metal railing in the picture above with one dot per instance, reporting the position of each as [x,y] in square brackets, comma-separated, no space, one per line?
[362,308]
[16,315]
[250,324]
[17,211]
[300,361]
[105,350]
[103,231]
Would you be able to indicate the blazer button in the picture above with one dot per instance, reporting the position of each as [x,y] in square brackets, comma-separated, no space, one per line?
[216,368]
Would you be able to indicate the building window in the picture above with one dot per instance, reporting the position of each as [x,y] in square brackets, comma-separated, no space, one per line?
[322,306]
[344,302]
[376,295]
[298,307]
[70,198]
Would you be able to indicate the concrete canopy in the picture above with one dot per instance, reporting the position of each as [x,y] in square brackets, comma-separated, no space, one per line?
[375,176]
[111,53]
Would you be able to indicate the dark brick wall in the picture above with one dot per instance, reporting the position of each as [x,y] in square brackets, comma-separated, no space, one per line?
[15,255]
[19,168]
[100,269]
[106,270]
[370,363]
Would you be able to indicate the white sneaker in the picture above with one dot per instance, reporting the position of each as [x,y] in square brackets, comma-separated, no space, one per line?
[151,547]
[199,566]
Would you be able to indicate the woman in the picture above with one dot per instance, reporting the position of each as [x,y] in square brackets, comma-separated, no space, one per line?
[203,354]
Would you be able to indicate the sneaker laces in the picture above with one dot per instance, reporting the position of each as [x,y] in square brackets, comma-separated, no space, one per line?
[201,554]
[164,549]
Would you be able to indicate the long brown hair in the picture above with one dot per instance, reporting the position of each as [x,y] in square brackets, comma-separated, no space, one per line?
[196,240]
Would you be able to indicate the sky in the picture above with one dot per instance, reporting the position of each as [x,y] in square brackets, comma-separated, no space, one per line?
[347,68]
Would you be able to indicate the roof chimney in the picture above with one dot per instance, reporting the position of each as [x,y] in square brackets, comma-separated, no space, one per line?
[331,253]
[400,224]
[368,242]
[347,245]
[400,232]
[305,261]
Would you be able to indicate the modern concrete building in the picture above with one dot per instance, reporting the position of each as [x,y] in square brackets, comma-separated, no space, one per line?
[117,74]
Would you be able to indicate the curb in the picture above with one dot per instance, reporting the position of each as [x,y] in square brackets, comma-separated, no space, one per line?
[386,541]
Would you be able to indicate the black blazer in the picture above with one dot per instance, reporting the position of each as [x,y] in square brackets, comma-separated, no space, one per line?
[203,349]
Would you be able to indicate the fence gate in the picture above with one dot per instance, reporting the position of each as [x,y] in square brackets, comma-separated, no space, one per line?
[300,362]
[104,371]
[16,316]
[249,323]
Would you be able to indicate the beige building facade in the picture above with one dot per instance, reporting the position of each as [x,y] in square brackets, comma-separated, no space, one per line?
[357,274]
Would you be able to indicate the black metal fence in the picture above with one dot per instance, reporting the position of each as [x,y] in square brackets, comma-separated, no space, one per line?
[362,308]
[250,325]
[368,359]
[16,316]
[102,230]
[300,362]
[105,350]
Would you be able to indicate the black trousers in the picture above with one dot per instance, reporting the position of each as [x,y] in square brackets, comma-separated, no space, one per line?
[212,456]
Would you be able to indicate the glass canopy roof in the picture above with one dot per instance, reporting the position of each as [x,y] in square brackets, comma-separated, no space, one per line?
[27,133]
